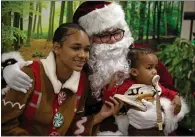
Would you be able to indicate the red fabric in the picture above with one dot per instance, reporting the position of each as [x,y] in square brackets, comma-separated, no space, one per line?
[87,7]
[138,45]
[117,90]
[35,98]
[90,8]
[128,83]
[30,111]
[36,71]
[165,77]
[55,110]
[170,94]
[81,86]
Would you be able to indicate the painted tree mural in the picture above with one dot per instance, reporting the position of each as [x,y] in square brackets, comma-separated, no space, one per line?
[146,19]
[26,24]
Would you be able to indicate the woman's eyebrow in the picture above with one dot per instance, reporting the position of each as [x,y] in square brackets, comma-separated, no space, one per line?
[79,44]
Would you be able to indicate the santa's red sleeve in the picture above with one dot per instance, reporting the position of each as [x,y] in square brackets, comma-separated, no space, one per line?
[170,94]
[121,89]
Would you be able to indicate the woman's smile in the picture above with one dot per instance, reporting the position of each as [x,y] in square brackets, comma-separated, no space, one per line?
[79,63]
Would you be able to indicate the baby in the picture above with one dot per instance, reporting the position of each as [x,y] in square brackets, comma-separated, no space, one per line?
[143,68]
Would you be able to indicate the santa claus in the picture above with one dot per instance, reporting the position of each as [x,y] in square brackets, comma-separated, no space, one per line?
[110,36]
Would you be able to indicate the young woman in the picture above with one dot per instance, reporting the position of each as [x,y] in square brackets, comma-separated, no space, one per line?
[55,103]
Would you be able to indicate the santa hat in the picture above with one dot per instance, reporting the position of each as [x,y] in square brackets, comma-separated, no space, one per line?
[97,16]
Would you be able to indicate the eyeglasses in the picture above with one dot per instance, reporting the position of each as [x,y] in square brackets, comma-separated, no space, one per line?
[106,37]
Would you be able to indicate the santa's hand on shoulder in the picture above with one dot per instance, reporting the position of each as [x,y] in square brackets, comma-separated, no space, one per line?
[17,79]
[144,120]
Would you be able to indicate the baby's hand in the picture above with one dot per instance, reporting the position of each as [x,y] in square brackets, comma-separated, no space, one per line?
[176,104]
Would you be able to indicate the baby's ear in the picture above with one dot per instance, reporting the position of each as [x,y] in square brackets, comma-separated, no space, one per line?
[134,72]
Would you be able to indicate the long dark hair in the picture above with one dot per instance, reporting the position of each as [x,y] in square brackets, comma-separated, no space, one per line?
[61,32]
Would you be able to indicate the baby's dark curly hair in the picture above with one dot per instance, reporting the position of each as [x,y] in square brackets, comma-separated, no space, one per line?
[134,55]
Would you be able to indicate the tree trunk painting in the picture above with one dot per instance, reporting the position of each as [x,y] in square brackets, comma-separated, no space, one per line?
[30,24]
[158,19]
[69,11]
[178,18]
[165,18]
[51,21]
[142,20]
[39,26]
[154,19]
[35,18]
[21,28]
[131,23]
[62,12]
[16,24]
[182,4]
[148,22]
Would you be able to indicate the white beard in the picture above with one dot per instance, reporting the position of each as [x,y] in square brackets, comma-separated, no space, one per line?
[107,59]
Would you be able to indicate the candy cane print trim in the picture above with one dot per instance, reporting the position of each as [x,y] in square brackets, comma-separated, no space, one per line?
[80,126]
[13,104]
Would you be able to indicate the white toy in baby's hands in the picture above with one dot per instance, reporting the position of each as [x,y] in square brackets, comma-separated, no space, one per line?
[131,100]
[135,100]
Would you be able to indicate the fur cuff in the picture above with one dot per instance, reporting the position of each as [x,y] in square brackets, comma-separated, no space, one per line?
[5,90]
[12,55]
[122,122]
[184,110]
[171,121]
[109,133]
